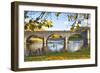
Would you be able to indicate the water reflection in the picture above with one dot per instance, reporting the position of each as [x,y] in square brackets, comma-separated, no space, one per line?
[55,45]
[75,45]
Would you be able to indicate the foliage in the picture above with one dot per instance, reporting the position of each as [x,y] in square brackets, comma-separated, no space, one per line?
[77,18]
[41,22]
[55,36]
[32,40]
[57,14]
[33,25]
[77,27]
[46,23]
[25,14]
[76,37]
[72,17]
[72,29]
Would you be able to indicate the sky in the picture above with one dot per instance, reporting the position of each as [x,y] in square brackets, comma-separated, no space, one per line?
[61,23]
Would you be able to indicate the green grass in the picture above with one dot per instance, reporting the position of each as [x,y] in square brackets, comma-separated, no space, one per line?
[84,53]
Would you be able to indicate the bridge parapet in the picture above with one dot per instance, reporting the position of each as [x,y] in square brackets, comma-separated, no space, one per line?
[45,34]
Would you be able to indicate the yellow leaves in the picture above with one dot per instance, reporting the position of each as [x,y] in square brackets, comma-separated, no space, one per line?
[38,26]
[72,29]
[36,39]
[43,27]
[27,27]
[55,58]
[47,23]
[55,36]
[75,28]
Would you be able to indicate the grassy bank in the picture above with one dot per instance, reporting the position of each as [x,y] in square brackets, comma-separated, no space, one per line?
[84,53]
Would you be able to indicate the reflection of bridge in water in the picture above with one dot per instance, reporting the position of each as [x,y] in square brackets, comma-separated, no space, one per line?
[46,34]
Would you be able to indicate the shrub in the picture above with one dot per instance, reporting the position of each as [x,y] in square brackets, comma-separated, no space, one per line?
[75,37]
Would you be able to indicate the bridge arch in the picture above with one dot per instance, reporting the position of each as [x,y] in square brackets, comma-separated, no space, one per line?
[34,45]
[55,35]
[55,42]
[75,42]
[45,35]
[32,36]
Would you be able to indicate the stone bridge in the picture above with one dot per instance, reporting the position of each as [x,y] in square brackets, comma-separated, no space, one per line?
[46,34]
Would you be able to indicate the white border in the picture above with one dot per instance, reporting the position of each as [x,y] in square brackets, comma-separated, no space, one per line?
[34,64]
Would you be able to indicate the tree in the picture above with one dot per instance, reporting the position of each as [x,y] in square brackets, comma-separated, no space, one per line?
[77,18]
[41,21]
[38,23]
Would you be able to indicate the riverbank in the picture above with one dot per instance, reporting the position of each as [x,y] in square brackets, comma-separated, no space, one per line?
[84,53]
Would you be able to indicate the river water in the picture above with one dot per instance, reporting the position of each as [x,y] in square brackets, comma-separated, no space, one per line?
[55,45]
